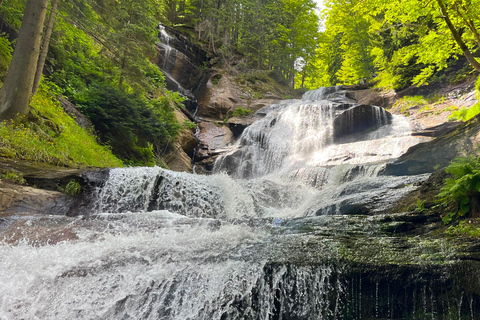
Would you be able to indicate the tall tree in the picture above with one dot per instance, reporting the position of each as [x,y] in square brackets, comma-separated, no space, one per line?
[45,45]
[16,91]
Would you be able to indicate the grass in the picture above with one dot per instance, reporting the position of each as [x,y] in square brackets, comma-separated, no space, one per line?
[408,102]
[240,112]
[49,135]
[12,177]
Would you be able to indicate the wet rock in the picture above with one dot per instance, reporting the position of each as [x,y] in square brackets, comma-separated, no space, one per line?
[214,138]
[437,154]
[219,100]
[180,59]
[238,124]
[374,97]
[438,130]
[359,119]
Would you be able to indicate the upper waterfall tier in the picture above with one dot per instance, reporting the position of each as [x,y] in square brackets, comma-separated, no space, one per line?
[307,133]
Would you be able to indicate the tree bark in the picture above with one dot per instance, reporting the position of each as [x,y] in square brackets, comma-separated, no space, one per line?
[457,37]
[46,43]
[16,91]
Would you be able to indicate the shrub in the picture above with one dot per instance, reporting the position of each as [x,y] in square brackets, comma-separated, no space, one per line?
[5,55]
[465,114]
[133,126]
[73,188]
[239,112]
[458,192]
[49,135]
[408,102]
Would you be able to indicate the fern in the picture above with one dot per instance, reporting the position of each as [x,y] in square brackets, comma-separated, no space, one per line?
[458,190]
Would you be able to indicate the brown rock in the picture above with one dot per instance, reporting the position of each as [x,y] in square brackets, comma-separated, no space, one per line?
[178,160]
[186,137]
[16,199]
[219,100]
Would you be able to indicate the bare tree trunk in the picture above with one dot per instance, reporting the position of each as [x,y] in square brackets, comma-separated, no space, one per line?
[46,43]
[16,91]
[457,37]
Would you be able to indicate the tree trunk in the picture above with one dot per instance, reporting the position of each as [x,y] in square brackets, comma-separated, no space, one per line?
[46,43]
[457,37]
[16,91]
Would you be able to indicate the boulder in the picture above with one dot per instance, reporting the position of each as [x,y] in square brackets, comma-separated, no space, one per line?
[238,124]
[17,200]
[359,119]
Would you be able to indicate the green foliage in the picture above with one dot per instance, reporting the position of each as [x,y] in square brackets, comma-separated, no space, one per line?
[241,112]
[135,128]
[73,188]
[465,228]
[5,55]
[190,125]
[12,176]
[408,102]
[11,12]
[270,34]
[458,191]
[420,206]
[49,135]
[465,114]
[403,42]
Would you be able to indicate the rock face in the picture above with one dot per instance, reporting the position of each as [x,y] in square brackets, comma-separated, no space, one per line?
[180,159]
[219,100]
[213,140]
[359,119]
[17,200]
[180,61]
[437,154]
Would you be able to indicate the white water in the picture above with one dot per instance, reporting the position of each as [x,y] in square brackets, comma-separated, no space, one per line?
[167,245]
[297,136]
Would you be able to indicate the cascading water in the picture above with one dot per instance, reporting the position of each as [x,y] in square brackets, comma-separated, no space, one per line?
[170,58]
[298,232]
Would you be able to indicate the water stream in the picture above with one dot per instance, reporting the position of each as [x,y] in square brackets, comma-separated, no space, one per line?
[292,226]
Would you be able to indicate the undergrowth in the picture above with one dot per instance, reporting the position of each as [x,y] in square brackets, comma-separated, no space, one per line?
[465,228]
[408,102]
[465,114]
[458,192]
[240,112]
[12,176]
[49,135]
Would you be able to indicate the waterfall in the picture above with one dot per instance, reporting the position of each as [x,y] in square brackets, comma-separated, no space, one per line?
[292,225]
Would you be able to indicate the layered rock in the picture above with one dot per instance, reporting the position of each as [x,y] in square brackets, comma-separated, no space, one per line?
[180,159]
[437,154]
